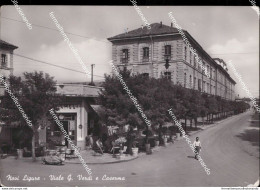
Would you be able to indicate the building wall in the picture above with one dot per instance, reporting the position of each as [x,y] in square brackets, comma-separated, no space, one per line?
[182,63]
[82,119]
[7,70]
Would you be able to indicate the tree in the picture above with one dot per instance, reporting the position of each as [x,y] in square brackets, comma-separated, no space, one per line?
[196,105]
[36,95]
[153,95]
[211,106]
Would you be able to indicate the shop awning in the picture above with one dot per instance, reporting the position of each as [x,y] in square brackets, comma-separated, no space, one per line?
[97,108]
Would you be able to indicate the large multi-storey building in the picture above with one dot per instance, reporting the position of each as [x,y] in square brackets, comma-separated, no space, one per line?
[146,51]
[6,64]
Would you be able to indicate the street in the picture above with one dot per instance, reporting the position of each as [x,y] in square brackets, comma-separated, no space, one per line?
[226,150]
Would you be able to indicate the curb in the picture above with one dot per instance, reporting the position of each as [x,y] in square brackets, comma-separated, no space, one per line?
[111,162]
[67,162]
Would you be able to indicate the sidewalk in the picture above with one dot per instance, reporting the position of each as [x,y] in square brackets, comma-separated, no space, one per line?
[106,158]
[204,127]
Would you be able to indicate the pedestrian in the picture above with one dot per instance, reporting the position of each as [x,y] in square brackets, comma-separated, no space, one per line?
[197,146]
[99,145]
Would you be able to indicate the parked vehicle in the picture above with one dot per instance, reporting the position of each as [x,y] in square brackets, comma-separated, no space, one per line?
[53,157]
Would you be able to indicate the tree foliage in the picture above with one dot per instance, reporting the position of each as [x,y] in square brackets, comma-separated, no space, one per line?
[156,96]
[36,94]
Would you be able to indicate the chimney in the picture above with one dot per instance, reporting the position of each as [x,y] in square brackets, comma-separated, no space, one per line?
[161,24]
[171,24]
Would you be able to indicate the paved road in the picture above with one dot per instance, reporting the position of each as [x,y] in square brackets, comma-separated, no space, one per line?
[232,161]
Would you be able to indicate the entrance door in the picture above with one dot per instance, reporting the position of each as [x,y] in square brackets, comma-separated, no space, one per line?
[66,127]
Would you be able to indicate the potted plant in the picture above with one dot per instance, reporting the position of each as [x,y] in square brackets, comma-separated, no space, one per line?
[120,142]
[172,137]
[164,130]
[135,149]
[165,140]
[157,141]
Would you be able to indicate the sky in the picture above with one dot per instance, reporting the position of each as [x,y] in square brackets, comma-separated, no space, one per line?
[227,32]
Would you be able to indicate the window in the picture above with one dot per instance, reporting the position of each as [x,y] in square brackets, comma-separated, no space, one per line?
[190,82]
[204,67]
[199,85]
[210,72]
[207,88]
[190,58]
[125,56]
[210,89]
[168,75]
[3,60]
[146,54]
[199,64]
[203,86]
[185,53]
[194,83]
[185,78]
[194,61]
[168,50]
[207,70]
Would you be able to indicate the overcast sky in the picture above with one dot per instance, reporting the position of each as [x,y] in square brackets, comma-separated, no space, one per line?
[230,33]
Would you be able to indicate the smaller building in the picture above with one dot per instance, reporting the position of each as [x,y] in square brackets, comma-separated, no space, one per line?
[6,69]
[78,114]
[6,64]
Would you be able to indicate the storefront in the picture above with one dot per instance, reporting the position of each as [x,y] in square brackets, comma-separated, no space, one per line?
[76,115]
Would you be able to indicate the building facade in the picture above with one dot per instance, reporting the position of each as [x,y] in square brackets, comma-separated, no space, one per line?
[77,114]
[6,69]
[146,52]
[6,64]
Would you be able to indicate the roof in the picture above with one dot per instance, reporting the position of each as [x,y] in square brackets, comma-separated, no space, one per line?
[7,45]
[156,29]
[78,90]
[224,70]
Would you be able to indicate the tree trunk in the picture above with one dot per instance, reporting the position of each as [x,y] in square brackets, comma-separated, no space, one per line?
[190,123]
[33,147]
[195,120]
[203,120]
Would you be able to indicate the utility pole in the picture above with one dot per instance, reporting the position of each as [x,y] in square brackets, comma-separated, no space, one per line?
[92,83]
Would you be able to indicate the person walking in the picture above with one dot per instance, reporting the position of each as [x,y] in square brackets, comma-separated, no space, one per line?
[197,146]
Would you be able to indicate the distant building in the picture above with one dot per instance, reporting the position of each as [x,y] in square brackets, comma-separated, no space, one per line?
[6,64]
[146,52]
